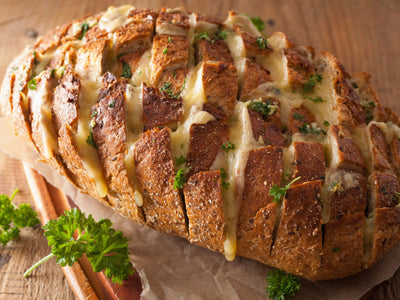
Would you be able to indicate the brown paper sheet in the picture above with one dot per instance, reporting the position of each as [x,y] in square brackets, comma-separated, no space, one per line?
[172,268]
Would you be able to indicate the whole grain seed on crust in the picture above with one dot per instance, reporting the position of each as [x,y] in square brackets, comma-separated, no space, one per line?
[190,125]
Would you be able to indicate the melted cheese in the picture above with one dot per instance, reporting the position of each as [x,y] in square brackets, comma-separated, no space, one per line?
[115,17]
[41,112]
[88,97]
[143,71]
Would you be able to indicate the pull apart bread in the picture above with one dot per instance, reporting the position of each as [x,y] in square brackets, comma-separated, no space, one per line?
[184,123]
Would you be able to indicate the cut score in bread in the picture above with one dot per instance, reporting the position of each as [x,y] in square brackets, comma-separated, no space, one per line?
[184,123]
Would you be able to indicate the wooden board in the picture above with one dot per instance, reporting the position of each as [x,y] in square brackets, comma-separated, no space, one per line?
[362,34]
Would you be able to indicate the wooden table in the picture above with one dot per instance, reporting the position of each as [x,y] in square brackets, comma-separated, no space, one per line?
[364,35]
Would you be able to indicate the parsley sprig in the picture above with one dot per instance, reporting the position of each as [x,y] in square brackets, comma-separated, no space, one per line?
[13,218]
[279,192]
[281,284]
[74,234]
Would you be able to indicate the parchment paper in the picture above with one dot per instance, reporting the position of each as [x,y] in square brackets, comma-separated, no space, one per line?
[172,268]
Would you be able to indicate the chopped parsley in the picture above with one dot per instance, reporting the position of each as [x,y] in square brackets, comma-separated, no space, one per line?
[180,179]
[336,249]
[397,197]
[140,72]
[311,129]
[167,88]
[180,160]
[94,113]
[265,108]
[278,192]
[316,99]
[32,84]
[326,123]
[84,28]
[367,104]
[35,61]
[126,71]
[355,85]
[228,146]
[52,72]
[298,116]
[312,82]
[169,39]
[336,187]
[203,36]
[165,51]
[219,35]
[120,55]
[257,22]
[90,140]
[112,104]
[281,284]
[181,146]
[224,176]
[368,107]
[174,74]
[262,42]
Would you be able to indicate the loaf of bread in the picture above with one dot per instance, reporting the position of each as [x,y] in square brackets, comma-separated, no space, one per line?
[196,127]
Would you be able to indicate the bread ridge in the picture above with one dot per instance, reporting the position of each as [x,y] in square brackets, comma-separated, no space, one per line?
[189,83]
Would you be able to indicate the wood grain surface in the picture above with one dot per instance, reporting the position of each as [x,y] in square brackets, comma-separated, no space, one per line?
[364,35]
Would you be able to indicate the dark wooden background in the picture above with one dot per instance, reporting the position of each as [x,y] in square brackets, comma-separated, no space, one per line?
[363,34]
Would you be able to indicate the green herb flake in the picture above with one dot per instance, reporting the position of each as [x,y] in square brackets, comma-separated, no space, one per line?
[367,104]
[140,72]
[312,82]
[174,74]
[74,235]
[35,60]
[94,113]
[32,84]
[221,35]
[84,28]
[282,285]
[13,219]
[228,146]
[126,71]
[397,194]
[298,116]
[52,72]
[317,99]
[311,129]
[355,85]
[336,249]
[278,192]
[180,179]
[224,176]
[257,22]
[203,36]
[181,146]
[169,39]
[120,55]
[262,42]
[90,140]
[112,104]
[265,108]
[165,51]
[326,123]
[180,160]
